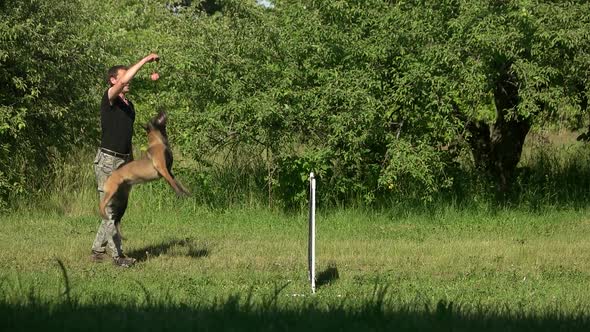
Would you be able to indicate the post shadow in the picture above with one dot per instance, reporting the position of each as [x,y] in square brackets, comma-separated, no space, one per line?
[327,276]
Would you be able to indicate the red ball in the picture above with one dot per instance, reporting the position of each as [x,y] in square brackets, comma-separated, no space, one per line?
[155,76]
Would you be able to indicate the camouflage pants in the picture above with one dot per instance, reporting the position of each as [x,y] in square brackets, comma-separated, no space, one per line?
[107,235]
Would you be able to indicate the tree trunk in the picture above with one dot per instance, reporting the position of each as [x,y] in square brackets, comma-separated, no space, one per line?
[497,151]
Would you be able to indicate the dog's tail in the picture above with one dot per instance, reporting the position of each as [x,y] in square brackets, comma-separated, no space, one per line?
[103,214]
[103,205]
[118,227]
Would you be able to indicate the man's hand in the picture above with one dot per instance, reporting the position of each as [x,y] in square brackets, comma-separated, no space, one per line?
[123,79]
[152,57]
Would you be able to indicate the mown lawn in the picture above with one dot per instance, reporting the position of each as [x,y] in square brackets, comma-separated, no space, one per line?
[246,269]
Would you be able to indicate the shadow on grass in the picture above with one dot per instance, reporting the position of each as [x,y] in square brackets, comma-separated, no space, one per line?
[185,247]
[327,276]
[232,314]
[378,312]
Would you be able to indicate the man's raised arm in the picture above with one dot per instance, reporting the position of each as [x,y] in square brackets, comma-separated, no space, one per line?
[120,83]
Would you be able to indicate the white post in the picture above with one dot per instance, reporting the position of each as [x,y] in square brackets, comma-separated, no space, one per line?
[311,251]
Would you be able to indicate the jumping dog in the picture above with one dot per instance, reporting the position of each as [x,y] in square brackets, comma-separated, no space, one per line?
[157,163]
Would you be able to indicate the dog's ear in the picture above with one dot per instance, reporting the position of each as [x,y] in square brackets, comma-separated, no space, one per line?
[161,118]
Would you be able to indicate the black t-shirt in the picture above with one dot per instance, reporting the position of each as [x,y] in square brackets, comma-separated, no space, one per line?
[117,124]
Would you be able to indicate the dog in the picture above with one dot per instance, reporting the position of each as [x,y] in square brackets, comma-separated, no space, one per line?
[156,164]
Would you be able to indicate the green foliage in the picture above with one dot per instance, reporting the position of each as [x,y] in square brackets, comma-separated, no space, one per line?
[305,88]
[47,73]
[376,97]
[544,44]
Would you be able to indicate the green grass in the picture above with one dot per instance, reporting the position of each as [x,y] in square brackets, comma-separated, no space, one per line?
[246,269]
[222,260]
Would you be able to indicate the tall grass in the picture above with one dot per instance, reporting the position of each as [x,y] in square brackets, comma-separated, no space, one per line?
[237,313]
[554,172]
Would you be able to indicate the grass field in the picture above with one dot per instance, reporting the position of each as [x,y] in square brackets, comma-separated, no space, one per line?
[246,269]
[464,265]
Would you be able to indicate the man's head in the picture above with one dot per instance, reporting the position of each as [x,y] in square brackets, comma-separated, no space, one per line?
[115,73]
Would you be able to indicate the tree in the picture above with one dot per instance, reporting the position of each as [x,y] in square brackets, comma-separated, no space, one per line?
[45,71]
[488,71]
[530,58]
[368,93]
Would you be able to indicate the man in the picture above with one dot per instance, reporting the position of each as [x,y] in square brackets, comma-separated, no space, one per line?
[117,116]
